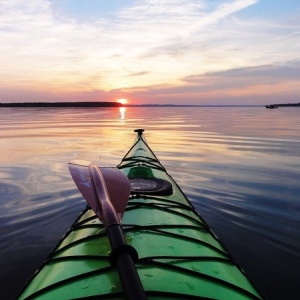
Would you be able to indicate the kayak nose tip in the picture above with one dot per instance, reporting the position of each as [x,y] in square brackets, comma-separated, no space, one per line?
[139,131]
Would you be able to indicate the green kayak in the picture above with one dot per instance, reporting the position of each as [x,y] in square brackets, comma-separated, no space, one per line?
[179,257]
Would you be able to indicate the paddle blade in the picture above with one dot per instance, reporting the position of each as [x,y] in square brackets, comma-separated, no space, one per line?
[117,185]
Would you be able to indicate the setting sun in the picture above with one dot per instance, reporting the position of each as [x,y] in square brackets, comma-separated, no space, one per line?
[122,101]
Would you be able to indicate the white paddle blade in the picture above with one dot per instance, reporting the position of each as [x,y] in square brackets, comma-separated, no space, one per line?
[117,184]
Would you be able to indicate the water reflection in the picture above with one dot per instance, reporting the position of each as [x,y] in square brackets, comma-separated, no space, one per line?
[122,111]
[243,180]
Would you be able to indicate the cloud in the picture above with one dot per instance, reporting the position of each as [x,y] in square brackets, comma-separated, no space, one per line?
[248,76]
[235,86]
[221,11]
[133,74]
[147,46]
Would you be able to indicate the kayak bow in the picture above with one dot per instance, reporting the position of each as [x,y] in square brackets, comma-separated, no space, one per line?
[179,257]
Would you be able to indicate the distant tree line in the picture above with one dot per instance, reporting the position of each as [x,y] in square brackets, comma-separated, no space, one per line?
[283,105]
[61,104]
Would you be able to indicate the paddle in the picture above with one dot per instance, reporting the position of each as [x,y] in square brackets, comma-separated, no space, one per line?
[107,191]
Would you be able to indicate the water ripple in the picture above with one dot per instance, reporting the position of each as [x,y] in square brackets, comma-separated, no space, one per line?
[239,167]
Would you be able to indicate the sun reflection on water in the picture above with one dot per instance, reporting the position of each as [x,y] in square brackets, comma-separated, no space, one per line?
[122,111]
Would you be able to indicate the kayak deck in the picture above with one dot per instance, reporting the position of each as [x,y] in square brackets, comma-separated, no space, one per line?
[179,256]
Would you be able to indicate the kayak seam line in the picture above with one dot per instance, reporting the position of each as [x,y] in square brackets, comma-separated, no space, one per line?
[189,206]
[54,249]
[203,220]
[143,164]
[147,262]
[94,217]
[167,204]
[194,240]
[67,281]
[153,294]
[207,277]
[139,139]
[190,239]
[171,212]
[162,205]
[142,159]
[167,201]
[177,295]
[134,227]
[185,258]
[103,296]
[86,226]
[148,293]
[161,227]
[180,226]
[77,242]
[144,142]
[69,231]
[77,257]
[137,157]
[211,231]
[134,144]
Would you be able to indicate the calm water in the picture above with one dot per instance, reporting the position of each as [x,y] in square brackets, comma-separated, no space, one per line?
[239,166]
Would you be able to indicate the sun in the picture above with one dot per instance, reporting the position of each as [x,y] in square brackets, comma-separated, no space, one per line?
[122,101]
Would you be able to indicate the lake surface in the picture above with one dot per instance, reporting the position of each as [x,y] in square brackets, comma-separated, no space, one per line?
[240,166]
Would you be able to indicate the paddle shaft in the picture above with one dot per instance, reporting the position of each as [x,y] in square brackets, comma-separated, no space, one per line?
[124,263]
[121,252]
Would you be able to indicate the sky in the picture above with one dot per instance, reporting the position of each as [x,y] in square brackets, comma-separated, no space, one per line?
[206,52]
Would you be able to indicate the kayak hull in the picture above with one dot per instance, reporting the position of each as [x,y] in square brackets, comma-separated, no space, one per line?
[179,257]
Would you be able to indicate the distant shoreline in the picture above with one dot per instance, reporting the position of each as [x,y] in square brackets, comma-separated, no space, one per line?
[107,104]
[87,104]
[61,104]
[189,105]
[283,105]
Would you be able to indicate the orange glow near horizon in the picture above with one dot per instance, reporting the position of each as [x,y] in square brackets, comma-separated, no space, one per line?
[122,101]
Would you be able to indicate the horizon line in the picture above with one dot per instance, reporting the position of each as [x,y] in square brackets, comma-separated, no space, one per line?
[115,104]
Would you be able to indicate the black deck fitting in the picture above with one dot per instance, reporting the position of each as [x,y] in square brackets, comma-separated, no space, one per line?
[139,131]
